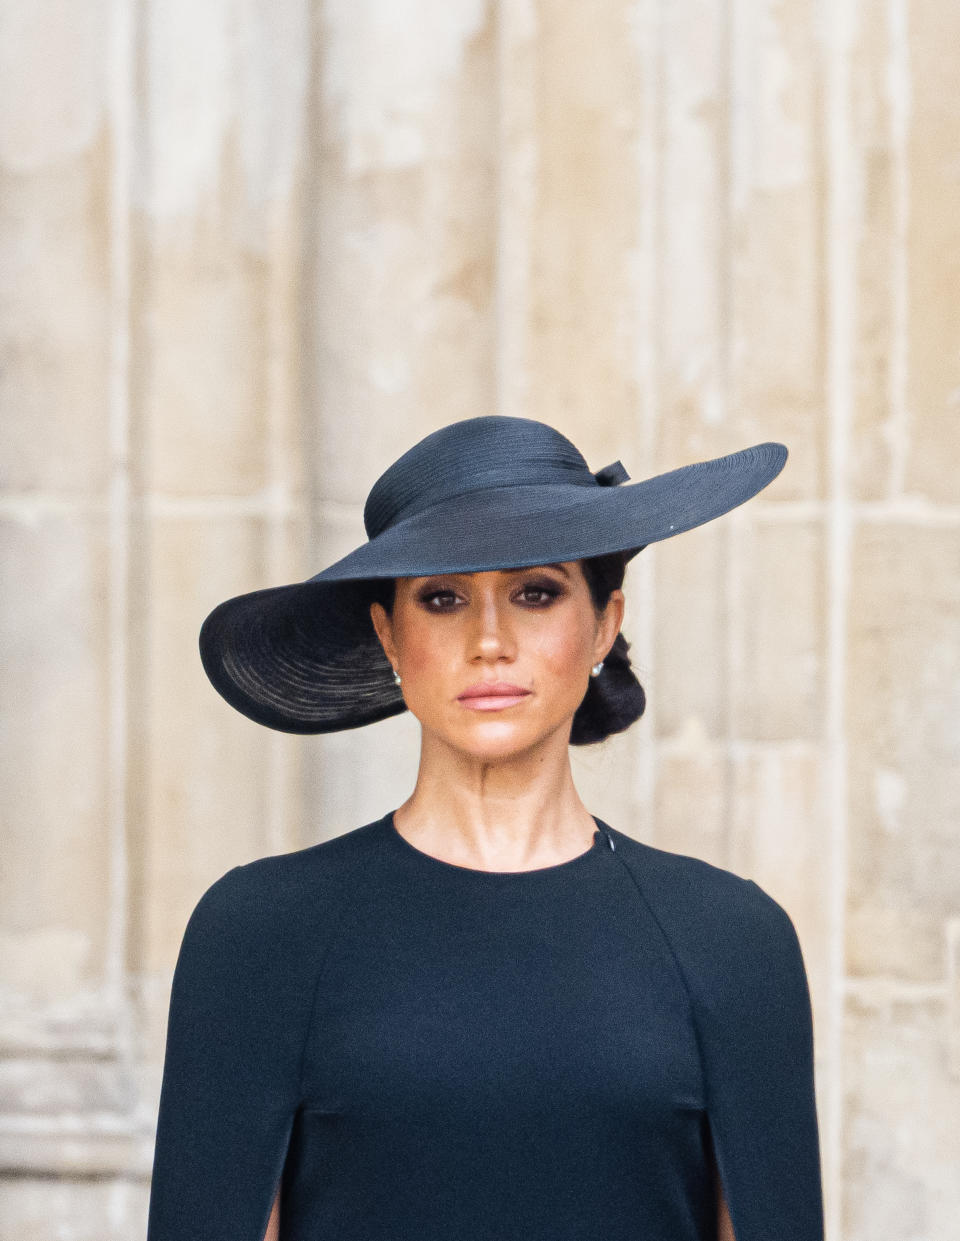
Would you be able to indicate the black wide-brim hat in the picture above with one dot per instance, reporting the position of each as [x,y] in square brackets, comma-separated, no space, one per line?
[492,492]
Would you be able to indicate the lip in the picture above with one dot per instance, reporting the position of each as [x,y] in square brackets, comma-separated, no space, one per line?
[496,702]
[492,689]
[492,695]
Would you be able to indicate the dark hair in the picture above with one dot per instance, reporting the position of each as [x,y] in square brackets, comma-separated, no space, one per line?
[615,698]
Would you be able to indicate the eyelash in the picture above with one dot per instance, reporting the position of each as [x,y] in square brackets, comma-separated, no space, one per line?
[550,591]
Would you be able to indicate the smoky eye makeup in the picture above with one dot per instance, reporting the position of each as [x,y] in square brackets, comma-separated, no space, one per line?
[546,584]
[537,583]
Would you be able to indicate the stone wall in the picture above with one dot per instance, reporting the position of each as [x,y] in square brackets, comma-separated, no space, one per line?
[250,252]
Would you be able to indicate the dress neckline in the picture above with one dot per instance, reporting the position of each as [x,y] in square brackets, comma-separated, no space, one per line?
[600,844]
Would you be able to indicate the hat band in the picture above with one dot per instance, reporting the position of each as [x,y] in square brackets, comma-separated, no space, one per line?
[610,476]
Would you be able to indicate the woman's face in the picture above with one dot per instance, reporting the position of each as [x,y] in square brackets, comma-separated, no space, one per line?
[535,629]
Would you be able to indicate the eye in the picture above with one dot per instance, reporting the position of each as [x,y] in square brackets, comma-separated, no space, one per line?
[547,593]
[429,595]
[531,595]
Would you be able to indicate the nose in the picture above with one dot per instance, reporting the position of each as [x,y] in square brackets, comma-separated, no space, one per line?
[491,633]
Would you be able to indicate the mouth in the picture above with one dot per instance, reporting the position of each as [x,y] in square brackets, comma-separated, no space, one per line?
[494,696]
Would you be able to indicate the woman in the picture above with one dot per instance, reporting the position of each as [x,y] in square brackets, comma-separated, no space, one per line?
[488,1014]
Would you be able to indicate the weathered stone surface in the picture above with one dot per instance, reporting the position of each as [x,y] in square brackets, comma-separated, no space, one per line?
[691,656]
[608,779]
[690,344]
[55,221]
[878,104]
[781,838]
[952,945]
[903,686]
[217,245]
[71,1023]
[901,1143]
[905,195]
[39,1086]
[777,677]
[55,881]
[774,235]
[86,1146]
[401,259]
[932,423]
[690,800]
[209,778]
[202,390]
[739,346]
[73,1210]
[577,317]
[338,798]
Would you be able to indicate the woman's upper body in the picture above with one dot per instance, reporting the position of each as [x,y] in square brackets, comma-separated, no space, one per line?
[423,1050]
[469,1018]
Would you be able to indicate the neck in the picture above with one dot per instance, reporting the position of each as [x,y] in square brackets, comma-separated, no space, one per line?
[496,813]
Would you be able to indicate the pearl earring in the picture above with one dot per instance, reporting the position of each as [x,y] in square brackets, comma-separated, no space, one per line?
[595,670]
[396,676]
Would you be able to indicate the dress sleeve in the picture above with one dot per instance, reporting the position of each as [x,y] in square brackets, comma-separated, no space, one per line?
[231,1074]
[755,1026]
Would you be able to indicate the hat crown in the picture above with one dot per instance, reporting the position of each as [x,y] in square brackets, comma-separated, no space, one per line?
[493,450]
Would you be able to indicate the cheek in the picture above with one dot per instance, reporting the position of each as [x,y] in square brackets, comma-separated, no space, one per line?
[425,663]
[427,650]
[560,654]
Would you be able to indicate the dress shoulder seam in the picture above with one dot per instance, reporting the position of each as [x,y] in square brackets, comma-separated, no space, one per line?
[341,906]
[680,971]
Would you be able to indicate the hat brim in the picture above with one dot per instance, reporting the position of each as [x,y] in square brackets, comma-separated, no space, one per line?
[305,658]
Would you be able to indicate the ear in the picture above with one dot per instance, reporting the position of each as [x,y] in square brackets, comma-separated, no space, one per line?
[384,630]
[610,624]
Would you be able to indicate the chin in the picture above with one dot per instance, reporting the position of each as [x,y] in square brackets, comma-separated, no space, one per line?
[496,739]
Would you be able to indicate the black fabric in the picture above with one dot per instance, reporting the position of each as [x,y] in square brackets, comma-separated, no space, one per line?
[428,1052]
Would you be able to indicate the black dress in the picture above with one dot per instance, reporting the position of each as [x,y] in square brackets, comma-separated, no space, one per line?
[428,1052]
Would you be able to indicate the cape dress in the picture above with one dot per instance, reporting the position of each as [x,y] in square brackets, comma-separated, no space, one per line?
[413,1050]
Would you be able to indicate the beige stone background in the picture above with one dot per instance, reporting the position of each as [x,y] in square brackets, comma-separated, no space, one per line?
[251,251]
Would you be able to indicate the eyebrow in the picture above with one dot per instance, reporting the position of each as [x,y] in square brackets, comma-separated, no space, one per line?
[530,568]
